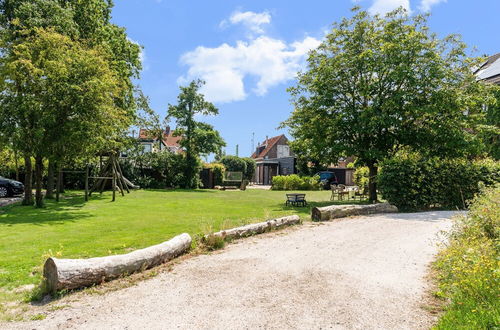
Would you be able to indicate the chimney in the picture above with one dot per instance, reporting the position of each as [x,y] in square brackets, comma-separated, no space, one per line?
[167,130]
[267,138]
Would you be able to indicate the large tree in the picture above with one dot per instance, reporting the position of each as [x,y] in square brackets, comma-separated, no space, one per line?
[377,84]
[58,98]
[198,138]
[84,22]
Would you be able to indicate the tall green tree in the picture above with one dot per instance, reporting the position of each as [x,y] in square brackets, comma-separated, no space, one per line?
[87,22]
[198,138]
[58,99]
[377,84]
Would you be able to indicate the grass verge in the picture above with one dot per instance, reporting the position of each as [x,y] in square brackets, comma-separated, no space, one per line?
[468,268]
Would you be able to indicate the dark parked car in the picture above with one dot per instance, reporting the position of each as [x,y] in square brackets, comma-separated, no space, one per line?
[10,187]
[327,178]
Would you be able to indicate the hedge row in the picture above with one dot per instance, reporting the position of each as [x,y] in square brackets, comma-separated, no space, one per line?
[295,182]
[412,182]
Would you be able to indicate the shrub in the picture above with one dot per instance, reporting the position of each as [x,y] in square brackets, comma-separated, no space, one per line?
[251,167]
[361,176]
[234,164]
[468,268]
[413,182]
[218,170]
[157,170]
[295,182]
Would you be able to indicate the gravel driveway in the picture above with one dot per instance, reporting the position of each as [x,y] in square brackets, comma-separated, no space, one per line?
[357,273]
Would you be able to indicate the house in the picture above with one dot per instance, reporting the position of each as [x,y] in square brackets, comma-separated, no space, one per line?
[489,71]
[153,144]
[273,157]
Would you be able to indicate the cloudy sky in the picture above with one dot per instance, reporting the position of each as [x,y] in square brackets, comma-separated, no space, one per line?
[249,52]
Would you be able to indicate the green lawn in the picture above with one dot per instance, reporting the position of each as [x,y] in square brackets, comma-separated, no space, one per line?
[74,229]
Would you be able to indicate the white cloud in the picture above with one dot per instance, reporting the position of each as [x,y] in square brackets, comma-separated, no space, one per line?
[385,6]
[426,5]
[267,61]
[251,20]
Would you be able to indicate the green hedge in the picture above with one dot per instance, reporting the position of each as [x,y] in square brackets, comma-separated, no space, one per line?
[412,182]
[468,267]
[218,170]
[295,182]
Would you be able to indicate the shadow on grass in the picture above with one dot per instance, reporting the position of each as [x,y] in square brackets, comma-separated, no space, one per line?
[211,191]
[67,209]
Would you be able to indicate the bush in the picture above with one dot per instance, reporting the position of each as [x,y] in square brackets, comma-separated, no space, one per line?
[361,176]
[218,170]
[295,182]
[468,268]
[157,170]
[412,182]
[251,167]
[234,164]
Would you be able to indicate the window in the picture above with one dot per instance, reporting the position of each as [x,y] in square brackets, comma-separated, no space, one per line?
[283,151]
[147,147]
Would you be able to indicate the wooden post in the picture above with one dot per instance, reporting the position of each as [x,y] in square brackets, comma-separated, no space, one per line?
[114,186]
[122,178]
[87,183]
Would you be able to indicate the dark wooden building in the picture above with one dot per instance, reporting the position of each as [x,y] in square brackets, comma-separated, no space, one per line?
[273,157]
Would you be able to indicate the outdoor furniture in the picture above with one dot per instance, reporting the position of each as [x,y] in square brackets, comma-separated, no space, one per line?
[341,191]
[361,194]
[296,200]
[335,192]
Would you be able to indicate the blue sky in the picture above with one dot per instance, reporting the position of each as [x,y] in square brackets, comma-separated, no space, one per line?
[249,51]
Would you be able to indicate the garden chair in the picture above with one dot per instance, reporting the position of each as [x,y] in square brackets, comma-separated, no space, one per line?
[342,191]
[361,194]
[335,192]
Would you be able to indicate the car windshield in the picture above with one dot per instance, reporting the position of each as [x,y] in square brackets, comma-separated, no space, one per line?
[325,176]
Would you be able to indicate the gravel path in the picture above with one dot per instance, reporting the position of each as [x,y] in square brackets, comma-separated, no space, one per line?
[357,273]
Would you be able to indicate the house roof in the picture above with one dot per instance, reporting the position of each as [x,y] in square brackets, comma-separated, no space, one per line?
[490,70]
[268,143]
[168,137]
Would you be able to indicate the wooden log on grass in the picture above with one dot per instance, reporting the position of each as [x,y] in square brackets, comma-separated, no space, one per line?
[256,228]
[341,211]
[68,274]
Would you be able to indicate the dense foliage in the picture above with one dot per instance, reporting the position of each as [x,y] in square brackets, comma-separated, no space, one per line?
[468,268]
[67,90]
[218,171]
[295,182]
[377,84]
[158,170]
[250,170]
[361,176]
[234,164]
[412,181]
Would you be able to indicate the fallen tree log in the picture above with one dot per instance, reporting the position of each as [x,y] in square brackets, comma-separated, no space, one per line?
[68,274]
[256,228]
[340,211]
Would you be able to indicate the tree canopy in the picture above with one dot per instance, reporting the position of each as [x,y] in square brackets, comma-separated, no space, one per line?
[379,84]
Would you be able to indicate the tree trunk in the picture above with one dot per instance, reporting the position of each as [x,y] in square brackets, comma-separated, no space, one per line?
[341,211]
[372,182]
[77,273]
[256,228]
[28,193]
[17,165]
[50,180]
[38,181]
